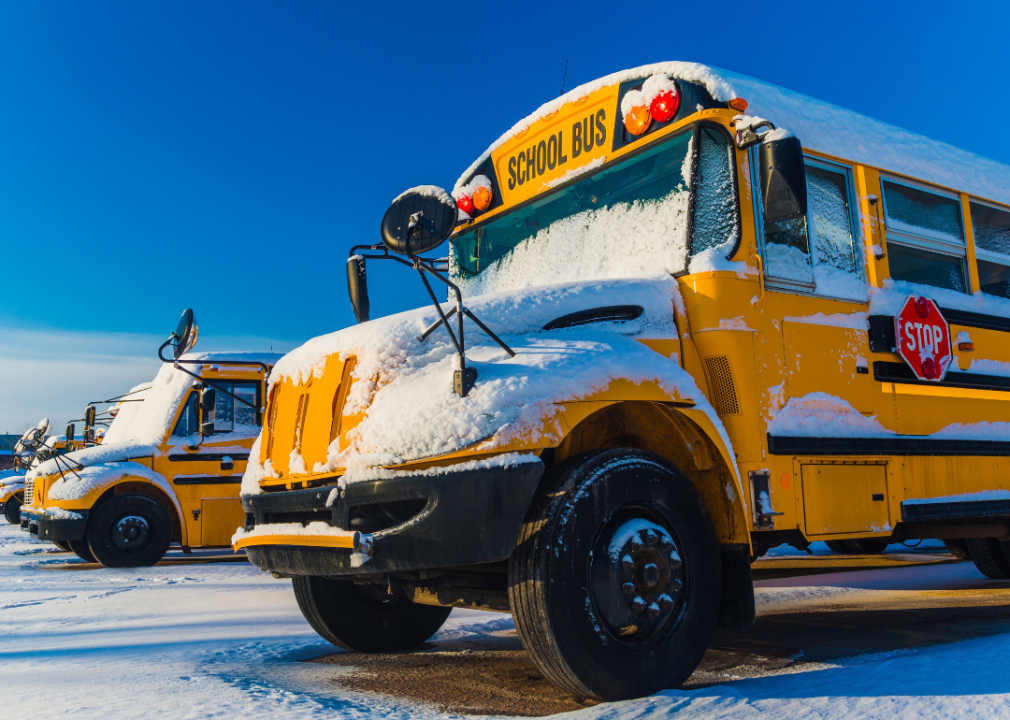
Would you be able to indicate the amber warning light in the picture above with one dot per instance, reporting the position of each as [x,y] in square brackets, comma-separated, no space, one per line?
[657,100]
[475,195]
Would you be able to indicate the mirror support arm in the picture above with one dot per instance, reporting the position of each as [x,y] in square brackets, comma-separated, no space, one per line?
[459,306]
[464,377]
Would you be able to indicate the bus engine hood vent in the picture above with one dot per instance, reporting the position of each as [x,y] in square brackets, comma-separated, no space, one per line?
[720,380]
[612,313]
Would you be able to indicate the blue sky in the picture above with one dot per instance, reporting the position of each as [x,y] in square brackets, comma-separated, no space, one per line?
[225,155]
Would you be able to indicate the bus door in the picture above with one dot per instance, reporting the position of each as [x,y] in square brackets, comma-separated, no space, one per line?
[207,477]
[816,295]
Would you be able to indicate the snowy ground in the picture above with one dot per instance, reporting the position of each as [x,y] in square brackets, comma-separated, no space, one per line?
[224,640]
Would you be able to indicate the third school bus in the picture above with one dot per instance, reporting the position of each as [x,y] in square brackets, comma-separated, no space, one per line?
[680,308]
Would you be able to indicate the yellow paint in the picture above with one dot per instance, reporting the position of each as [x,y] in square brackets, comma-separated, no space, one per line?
[203,515]
[773,352]
[345,542]
[840,498]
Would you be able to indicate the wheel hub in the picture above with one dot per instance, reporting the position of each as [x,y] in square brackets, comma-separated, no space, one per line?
[130,532]
[637,578]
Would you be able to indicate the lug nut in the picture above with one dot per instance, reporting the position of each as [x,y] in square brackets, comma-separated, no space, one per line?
[628,588]
[675,561]
[653,610]
[666,544]
[675,585]
[638,604]
[627,564]
[664,601]
[651,537]
[636,544]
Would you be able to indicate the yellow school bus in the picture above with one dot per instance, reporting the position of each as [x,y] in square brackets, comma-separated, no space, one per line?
[169,467]
[680,303]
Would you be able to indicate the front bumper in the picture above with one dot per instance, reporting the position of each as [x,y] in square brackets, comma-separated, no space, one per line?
[455,517]
[46,527]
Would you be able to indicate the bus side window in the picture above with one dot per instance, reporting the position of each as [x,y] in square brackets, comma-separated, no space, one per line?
[233,415]
[925,237]
[991,227]
[818,252]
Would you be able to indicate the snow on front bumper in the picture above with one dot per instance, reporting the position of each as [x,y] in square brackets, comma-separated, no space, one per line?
[315,534]
[438,517]
[54,523]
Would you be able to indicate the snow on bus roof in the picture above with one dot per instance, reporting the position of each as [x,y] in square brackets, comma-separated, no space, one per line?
[692,72]
[819,125]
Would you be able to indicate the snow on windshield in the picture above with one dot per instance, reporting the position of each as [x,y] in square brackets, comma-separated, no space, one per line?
[120,428]
[629,220]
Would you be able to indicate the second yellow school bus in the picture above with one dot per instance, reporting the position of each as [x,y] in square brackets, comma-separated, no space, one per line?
[680,290]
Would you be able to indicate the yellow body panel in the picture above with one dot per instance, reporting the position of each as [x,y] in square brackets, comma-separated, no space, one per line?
[751,349]
[205,513]
[331,541]
[6,493]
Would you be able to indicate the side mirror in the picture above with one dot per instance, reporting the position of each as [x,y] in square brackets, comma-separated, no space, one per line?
[419,220]
[783,179]
[208,410]
[89,416]
[357,287]
[69,432]
[186,333]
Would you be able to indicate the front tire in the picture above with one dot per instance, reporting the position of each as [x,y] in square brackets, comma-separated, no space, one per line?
[365,618]
[838,546]
[62,545]
[129,531]
[615,581]
[12,510]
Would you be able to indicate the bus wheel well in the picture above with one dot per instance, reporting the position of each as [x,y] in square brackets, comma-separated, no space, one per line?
[152,491]
[661,429]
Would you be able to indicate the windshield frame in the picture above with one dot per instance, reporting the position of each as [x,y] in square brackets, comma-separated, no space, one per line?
[691,128]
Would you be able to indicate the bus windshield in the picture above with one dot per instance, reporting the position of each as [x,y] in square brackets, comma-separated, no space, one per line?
[626,220]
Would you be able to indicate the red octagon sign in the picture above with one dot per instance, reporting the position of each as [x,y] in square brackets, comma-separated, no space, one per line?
[923,338]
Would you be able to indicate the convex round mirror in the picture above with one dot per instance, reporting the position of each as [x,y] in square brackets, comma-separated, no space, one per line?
[186,334]
[89,416]
[419,220]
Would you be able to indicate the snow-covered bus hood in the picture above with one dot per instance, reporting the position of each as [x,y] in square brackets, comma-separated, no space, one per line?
[91,456]
[403,387]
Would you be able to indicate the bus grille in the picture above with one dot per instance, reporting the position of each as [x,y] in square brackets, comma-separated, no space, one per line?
[720,379]
[29,487]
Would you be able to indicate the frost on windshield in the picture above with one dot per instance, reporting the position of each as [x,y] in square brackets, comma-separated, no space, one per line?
[715,215]
[629,220]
